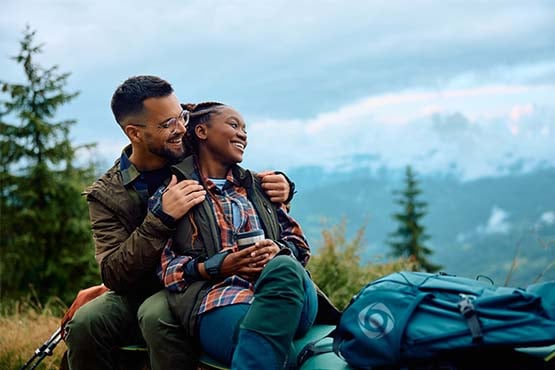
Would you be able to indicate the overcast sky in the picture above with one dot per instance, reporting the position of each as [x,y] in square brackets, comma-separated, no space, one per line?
[462,86]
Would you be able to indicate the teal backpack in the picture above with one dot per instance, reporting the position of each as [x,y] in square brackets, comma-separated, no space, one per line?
[410,318]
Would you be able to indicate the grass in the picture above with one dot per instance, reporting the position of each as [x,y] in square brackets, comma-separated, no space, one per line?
[25,328]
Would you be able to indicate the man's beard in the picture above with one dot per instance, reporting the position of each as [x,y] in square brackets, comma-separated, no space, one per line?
[162,151]
[168,154]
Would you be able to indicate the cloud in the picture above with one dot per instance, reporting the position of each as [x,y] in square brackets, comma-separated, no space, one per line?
[497,222]
[450,127]
[520,111]
[346,51]
[477,139]
[457,86]
[547,218]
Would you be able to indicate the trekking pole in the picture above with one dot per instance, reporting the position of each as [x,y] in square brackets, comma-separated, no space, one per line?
[49,349]
[44,350]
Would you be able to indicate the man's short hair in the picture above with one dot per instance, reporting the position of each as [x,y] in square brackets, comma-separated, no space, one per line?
[129,96]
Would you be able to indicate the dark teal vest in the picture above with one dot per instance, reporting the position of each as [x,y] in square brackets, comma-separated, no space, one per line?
[185,304]
[202,239]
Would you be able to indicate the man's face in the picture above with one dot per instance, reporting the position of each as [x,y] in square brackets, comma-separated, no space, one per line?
[163,142]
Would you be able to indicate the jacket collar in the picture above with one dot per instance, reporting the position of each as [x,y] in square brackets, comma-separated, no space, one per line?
[129,172]
[188,169]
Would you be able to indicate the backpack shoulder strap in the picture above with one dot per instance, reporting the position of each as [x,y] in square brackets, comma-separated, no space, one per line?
[313,348]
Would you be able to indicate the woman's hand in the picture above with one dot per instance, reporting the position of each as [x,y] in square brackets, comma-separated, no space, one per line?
[242,263]
[265,250]
[250,261]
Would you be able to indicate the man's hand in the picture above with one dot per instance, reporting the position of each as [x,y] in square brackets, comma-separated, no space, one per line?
[275,185]
[180,197]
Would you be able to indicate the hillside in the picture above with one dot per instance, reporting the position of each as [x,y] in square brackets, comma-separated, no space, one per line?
[476,227]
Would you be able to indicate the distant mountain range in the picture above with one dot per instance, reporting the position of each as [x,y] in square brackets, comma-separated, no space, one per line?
[476,227]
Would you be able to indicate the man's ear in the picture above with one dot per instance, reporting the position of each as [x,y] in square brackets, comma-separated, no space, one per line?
[134,133]
[201,131]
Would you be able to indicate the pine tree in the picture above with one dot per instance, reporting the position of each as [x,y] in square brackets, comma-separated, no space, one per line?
[46,241]
[408,240]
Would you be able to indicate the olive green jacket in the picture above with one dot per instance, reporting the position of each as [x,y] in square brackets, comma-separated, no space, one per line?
[128,239]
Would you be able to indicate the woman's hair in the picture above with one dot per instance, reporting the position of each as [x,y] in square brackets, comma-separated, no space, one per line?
[199,113]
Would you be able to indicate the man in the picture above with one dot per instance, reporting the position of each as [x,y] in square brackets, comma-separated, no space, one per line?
[130,232]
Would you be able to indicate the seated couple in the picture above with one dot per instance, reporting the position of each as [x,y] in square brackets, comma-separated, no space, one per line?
[242,307]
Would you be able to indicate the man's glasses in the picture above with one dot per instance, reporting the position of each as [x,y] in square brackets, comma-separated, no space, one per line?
[171,123]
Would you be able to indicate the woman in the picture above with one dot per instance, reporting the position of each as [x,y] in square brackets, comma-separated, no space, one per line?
[245,306]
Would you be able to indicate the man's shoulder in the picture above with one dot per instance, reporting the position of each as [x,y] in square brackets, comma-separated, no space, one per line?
[109,180]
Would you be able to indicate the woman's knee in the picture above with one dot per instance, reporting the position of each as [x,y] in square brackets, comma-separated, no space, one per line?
[281,274]
[285,265]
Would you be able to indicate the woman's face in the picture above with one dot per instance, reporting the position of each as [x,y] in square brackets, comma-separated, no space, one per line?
[225,136]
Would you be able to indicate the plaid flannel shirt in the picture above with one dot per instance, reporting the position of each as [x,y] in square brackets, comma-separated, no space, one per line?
[233,289]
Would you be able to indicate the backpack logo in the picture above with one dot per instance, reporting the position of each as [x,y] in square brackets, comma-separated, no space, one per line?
[376,320]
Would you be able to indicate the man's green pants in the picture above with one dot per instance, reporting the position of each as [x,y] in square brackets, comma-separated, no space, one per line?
[111,321]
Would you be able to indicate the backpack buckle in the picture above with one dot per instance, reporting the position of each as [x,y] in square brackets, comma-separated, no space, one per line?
[467,309]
